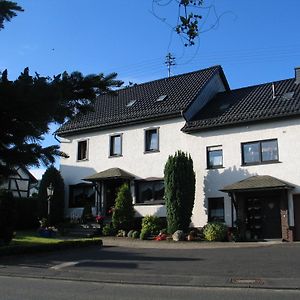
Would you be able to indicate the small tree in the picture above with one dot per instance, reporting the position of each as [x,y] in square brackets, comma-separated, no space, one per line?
[52,175]
[123,214]
[179,191]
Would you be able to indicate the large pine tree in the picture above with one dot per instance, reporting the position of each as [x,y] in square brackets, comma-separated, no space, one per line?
[8,10]
[29,104]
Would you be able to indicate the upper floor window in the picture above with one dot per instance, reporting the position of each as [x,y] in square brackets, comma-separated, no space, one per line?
[214,157]
[151,140]
[259,152]
[115,148]
[82,150]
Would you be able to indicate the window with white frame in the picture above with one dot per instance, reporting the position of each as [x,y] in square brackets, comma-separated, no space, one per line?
[151,140]
[115,148]
[150,192]
[216,209]
[214,157]
[82,150]
[260,152]
[81,195]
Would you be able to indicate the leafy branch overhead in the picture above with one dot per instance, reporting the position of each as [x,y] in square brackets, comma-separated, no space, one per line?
[8,10]
[188,25]
[30,104]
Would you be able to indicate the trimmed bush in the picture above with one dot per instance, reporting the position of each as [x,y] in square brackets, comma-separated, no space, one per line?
[121,233]
[135,235]
[151,224]
[123,214]
[130,233]
[179,191]
[144,234]
[108,230]
[215,231]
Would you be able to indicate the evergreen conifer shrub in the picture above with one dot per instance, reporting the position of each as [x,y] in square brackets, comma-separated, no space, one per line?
[179,191]
[123,213]
[52,175]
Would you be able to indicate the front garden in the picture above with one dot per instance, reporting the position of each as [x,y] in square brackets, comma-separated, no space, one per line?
[179,198]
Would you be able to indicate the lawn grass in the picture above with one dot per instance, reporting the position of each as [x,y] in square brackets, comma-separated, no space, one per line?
[31,242]
[30,238]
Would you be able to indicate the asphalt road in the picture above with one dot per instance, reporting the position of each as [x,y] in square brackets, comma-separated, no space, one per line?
[274,266]
[31,289]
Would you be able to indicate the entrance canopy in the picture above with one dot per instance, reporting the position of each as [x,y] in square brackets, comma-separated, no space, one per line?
[256,183]
[113,173]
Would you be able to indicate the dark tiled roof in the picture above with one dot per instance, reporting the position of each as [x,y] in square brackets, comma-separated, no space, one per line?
[109,174]
[111,111]
[254,103]
[258,182]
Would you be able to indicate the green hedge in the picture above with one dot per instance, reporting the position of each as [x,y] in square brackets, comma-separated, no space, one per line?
[22,249]
[27,213]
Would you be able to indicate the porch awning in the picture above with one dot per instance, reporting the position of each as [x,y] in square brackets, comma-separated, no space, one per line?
[113,173]
[259,182]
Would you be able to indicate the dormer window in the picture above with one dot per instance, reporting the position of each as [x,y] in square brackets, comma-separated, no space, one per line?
[161,98]
[130,103]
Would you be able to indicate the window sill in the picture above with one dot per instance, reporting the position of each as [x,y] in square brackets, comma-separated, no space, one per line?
[215,168]
[150,203]
[151,151]
[80,160]
[261,163]
[114,156]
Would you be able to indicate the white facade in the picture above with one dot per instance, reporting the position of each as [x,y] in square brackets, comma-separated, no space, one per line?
[208,182]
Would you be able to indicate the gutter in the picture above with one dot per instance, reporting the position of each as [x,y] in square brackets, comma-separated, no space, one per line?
[118,124]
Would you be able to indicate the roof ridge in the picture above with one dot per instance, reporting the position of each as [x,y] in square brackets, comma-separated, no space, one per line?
[167,78]
[260,84]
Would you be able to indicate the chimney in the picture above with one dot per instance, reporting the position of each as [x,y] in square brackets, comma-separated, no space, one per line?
[297,75]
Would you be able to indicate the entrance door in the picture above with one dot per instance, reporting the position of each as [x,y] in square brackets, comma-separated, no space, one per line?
[271,228]
[263,217]
[296,199]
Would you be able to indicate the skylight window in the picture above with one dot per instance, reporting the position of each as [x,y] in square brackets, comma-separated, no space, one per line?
[161,98]
[287,96]
[224,106]
[130,103]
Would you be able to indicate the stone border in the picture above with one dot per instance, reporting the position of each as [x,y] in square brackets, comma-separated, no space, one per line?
[137,243]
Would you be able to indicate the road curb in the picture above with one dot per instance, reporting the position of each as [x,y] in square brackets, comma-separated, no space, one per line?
[63,245]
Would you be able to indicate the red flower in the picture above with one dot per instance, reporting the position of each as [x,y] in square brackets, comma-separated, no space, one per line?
[99,218]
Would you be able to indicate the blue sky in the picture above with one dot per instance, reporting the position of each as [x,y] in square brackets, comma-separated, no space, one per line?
[254,41]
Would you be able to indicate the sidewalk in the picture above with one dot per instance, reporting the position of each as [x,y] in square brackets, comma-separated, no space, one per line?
[151,244]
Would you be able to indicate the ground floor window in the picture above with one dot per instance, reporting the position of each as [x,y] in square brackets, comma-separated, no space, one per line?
[81,195]
[150,192]
[216,209]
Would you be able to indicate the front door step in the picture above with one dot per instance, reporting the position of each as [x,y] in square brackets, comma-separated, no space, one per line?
[85,230]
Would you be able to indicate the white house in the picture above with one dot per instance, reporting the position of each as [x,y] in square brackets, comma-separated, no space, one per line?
[243,144]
